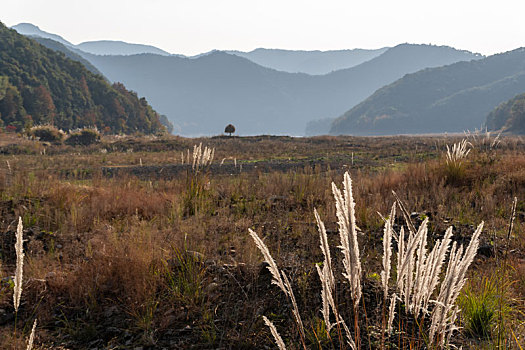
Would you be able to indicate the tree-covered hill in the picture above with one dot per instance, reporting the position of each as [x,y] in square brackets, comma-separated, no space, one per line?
[453,98]
[42,86]
[509,116]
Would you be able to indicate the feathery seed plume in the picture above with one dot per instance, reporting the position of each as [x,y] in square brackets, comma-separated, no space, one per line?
[272,266]
[19,248]
[391,313]
[387,250]
[31,337]
[276,336]
[345,207]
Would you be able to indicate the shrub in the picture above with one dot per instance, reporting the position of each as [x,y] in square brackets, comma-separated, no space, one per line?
[84,137]
[47,133]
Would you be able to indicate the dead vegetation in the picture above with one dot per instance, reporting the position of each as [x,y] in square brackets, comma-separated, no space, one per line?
[130,261]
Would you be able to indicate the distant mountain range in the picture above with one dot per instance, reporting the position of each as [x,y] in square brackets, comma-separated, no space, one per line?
[453,98]
[202,95]
[100,47]
[110,47]
[43,86]
[404,89]
[309,62]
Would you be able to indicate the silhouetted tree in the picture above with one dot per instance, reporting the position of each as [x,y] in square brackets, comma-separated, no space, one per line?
[230,129]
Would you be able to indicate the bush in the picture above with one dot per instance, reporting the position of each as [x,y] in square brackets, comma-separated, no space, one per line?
[47,133]
[84,137]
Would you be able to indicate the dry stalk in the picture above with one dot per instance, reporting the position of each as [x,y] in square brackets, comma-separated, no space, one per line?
[278,340]
[31,337]
[19,248]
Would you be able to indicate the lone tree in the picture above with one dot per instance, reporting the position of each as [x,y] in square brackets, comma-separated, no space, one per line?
[230,129]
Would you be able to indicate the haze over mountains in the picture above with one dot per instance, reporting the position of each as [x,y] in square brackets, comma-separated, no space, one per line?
[266,91]
[310,62]
[202,95]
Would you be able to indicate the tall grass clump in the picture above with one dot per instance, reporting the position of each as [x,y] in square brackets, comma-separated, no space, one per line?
[454,170]
[483,140]
[197,180]
[457,152]
[425,286]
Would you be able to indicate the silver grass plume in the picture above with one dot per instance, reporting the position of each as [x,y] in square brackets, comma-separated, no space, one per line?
[345,206]
[445,311]
[326,276]
[325,311]
[31,337]
[197,153]
[272,266]
[325,248]
[19,248]
[276,336]
[328,302]
[201,156]
[457,152]
[418,272]
[391,313]
[417,286]
[295,309]
[279,278]
[400,256]
[406,263]
[434,266]
[387,250]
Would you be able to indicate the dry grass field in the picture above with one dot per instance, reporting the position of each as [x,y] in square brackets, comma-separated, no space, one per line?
[129,246]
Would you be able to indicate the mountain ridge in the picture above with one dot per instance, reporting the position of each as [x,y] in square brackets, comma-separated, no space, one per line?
[313,62]
[201,94]
[100,47]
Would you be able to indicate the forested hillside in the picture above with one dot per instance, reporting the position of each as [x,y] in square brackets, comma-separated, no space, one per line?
[453,98]
[509,116]
[42,86]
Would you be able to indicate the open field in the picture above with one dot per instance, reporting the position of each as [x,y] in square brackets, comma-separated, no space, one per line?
[129,247]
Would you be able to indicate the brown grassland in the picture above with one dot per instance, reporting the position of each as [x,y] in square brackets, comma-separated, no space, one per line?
[128,248]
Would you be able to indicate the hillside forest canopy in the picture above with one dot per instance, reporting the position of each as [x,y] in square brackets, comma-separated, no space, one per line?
[41,86]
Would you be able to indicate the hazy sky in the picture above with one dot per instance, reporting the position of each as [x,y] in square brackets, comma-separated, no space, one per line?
[195,26]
